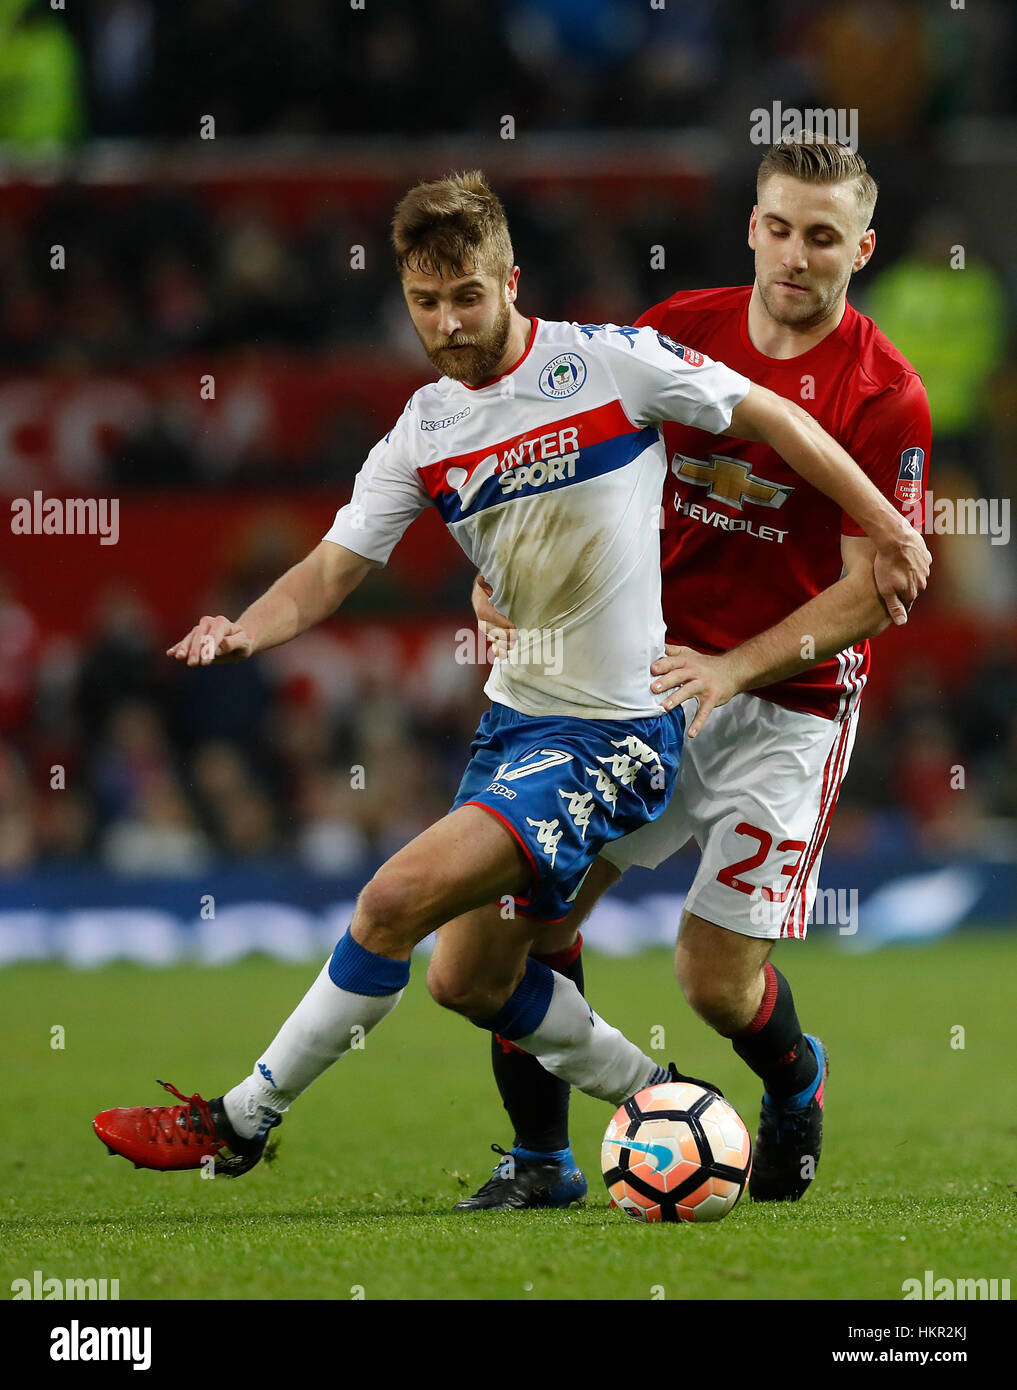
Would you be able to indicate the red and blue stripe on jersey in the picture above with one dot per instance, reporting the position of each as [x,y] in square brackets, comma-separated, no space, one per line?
[539,459]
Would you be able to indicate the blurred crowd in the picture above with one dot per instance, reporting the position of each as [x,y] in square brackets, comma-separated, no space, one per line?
[153,67]
[166,770]
[112,753]
[331,753]
[159,276]
[152,273]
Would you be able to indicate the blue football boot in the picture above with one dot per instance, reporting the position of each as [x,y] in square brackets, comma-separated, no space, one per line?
[790,1138]
[524,1179]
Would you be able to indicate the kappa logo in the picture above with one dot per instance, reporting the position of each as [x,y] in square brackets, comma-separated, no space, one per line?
[563,376]
[636,748]
[580,807]
[548,836]
[500,790]
[626,766]
[625,769]
[607,788]
[447,422]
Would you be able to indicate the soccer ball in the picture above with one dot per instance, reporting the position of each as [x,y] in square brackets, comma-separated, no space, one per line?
[676,1152]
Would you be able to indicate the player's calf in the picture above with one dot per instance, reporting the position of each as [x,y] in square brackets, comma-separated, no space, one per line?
[354,991]
[476,998]
[721,973]
[728,981]
[523,1001]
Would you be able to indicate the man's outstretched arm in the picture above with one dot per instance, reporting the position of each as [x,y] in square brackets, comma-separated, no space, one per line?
[902,558]
[303,596]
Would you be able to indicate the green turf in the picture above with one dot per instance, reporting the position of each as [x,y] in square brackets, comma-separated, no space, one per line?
[917,1171]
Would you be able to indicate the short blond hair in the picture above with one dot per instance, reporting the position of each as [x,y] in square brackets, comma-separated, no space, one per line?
[451,227]
[814,158]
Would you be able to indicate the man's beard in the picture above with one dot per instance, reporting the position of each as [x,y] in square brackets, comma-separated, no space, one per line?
[478,361]
[807,314]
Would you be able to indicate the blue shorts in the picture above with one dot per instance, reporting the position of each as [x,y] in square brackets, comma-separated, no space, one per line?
[565,788]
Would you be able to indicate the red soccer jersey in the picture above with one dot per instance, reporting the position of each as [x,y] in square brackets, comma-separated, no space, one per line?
[746,540]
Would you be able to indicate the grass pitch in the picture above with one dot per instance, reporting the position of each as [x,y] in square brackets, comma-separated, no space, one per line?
[917,1171]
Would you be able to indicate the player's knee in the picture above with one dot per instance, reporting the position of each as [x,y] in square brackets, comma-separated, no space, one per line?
[465,996]
[713,998]
[389,906]
[448,990]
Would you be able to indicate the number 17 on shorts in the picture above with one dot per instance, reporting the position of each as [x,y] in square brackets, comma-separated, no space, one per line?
[566,787]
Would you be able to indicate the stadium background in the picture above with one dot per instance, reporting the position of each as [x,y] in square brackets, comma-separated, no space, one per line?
[258,258]
[137,799]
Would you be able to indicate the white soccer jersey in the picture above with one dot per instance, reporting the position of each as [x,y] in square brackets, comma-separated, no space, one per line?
[550,479]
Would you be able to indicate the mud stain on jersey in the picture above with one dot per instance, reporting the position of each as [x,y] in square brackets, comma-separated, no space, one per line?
[550,568]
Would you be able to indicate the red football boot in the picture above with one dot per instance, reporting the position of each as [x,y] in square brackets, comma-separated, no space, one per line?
[174,1137]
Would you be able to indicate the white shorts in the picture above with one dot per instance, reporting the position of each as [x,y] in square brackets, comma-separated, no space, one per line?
[756,791]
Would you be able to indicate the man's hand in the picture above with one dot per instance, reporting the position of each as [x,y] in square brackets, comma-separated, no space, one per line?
[710,679]
[213,640]
[901,572]
[902,565]
[499,630]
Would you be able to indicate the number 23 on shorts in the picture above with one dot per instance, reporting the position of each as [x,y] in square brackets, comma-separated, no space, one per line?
[729,875]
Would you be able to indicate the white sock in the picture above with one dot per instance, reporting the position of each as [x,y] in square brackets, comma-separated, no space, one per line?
[576,1044]
[323,1026]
